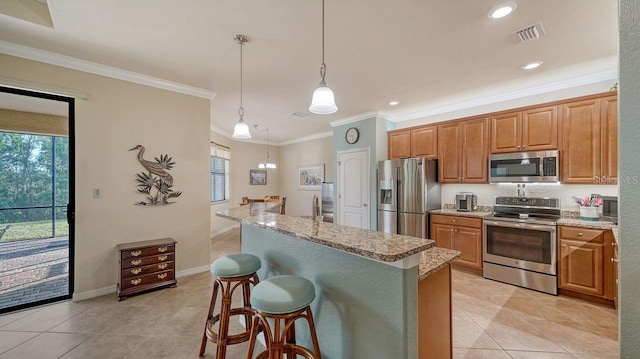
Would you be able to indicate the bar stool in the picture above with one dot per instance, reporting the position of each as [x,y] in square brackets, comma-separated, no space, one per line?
[231,271]
[283,300]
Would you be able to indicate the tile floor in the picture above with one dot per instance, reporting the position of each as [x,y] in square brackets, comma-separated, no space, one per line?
[491,320]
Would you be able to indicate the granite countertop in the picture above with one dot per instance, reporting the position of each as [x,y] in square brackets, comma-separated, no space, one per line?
[453,212]
[367,243]
[586,224]
[434,259]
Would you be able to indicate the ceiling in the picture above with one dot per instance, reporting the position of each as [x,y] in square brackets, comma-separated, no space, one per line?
[423,53]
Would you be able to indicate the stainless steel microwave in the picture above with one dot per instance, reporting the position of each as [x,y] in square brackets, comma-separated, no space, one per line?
[527,167]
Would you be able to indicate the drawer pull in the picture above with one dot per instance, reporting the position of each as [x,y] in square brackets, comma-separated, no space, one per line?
[614,260]
[136,262]
[136,271]
[162,258]
[136,253]
[162,249]
[580,234]
[162,276]
[163,266]
[136,281]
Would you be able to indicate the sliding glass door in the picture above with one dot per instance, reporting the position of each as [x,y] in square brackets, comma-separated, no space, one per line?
[36,198]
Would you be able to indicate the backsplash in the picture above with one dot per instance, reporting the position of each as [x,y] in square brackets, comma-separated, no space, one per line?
[486,192]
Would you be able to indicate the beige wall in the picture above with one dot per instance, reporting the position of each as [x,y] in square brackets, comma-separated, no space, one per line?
[244,157]
[305,153]
[117,116]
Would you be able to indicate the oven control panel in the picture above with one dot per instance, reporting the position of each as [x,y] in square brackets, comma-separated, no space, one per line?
[528,202]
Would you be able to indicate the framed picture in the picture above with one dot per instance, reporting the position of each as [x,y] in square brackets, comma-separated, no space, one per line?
[310,177]
[257,177]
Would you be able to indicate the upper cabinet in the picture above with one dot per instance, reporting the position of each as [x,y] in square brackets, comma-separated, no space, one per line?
[463,151]
[530,130]
[417,142]
[589,141]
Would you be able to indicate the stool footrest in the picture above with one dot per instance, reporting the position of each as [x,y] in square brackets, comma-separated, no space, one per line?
[231,338]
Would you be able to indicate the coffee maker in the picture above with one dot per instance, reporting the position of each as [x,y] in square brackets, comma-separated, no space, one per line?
[466,202]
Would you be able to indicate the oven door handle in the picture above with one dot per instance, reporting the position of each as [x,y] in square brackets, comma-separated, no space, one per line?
[538,227]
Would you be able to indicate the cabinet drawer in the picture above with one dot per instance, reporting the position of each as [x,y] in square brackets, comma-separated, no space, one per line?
[138,271]
[582,234]
[148,251]
[138,262]
[148,279]
[457,220]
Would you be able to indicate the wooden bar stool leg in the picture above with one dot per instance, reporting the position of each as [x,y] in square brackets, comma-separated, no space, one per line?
[214,295]
[225,314]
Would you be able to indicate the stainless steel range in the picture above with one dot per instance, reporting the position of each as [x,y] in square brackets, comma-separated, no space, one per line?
[520,242]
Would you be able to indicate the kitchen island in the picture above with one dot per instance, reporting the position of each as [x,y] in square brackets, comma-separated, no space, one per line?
[373,290]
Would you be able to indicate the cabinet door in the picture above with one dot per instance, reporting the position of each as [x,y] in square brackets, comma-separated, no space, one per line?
[609,137]
[581,267]
[469,242]
[399,144]
[540,129]
[424,142]
[449,146]
[442,234]
[506,132]
[475,156]
[581,142]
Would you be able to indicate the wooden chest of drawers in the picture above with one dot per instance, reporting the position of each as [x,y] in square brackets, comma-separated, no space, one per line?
[146,265]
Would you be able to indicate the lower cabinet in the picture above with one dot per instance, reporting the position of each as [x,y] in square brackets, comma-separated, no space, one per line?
[462,234]
[584,263]
[146,265]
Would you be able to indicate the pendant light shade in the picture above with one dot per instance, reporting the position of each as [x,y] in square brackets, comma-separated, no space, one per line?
[267,164]
[241,130]
[323,101]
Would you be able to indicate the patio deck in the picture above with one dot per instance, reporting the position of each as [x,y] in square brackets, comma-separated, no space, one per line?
[33,269]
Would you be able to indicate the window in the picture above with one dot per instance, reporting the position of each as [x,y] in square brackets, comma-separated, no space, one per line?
[219,179]
[220,156]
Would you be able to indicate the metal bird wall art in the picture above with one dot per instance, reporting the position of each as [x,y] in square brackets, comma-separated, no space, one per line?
[157,182]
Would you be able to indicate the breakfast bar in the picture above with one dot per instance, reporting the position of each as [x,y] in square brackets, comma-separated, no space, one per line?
[378,295]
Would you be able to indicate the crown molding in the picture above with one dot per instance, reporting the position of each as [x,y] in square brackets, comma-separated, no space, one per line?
[52,58]
[611,74]
[307,138]
[355,118]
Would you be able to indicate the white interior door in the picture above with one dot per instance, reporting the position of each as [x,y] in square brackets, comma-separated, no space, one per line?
[353,188]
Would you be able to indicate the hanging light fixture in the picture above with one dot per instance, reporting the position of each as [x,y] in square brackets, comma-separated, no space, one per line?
[267,163]
[323,101]
[241,129]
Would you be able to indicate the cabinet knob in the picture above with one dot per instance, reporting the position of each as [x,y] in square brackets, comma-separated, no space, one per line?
[564,246]
[524,146]
[518,147]
[614,260]
[580,234]
[597,178]
[614,244]
[603,179]
[454,220]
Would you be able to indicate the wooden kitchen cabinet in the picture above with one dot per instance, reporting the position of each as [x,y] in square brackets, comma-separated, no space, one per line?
[589,141]
[584,265]
[399,144]
[417,142]
[462,234]
[534,129]
[463,151]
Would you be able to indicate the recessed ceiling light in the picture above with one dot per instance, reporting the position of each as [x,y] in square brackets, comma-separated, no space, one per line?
[502,10]
[532,65]
[393,103]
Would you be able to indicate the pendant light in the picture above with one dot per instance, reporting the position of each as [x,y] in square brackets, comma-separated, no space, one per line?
[241,129]
[323,101]
[267,163]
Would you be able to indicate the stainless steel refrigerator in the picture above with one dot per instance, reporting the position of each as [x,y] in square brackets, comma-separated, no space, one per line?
[407,190]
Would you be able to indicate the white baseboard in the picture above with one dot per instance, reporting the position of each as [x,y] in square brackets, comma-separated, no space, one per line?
[223,230]
[112,288]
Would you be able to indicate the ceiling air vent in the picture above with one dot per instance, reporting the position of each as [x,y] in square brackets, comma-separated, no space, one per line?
[300,114]
[529,33]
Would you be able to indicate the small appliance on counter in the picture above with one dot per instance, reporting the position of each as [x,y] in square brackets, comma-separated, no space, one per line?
[609,209]
[466,202]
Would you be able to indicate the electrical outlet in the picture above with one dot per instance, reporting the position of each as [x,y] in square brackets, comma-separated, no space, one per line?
[96,193]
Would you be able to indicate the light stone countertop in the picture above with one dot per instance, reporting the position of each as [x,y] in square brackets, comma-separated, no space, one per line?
[367,243]
[585,224]
[453,212]
[434,259]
